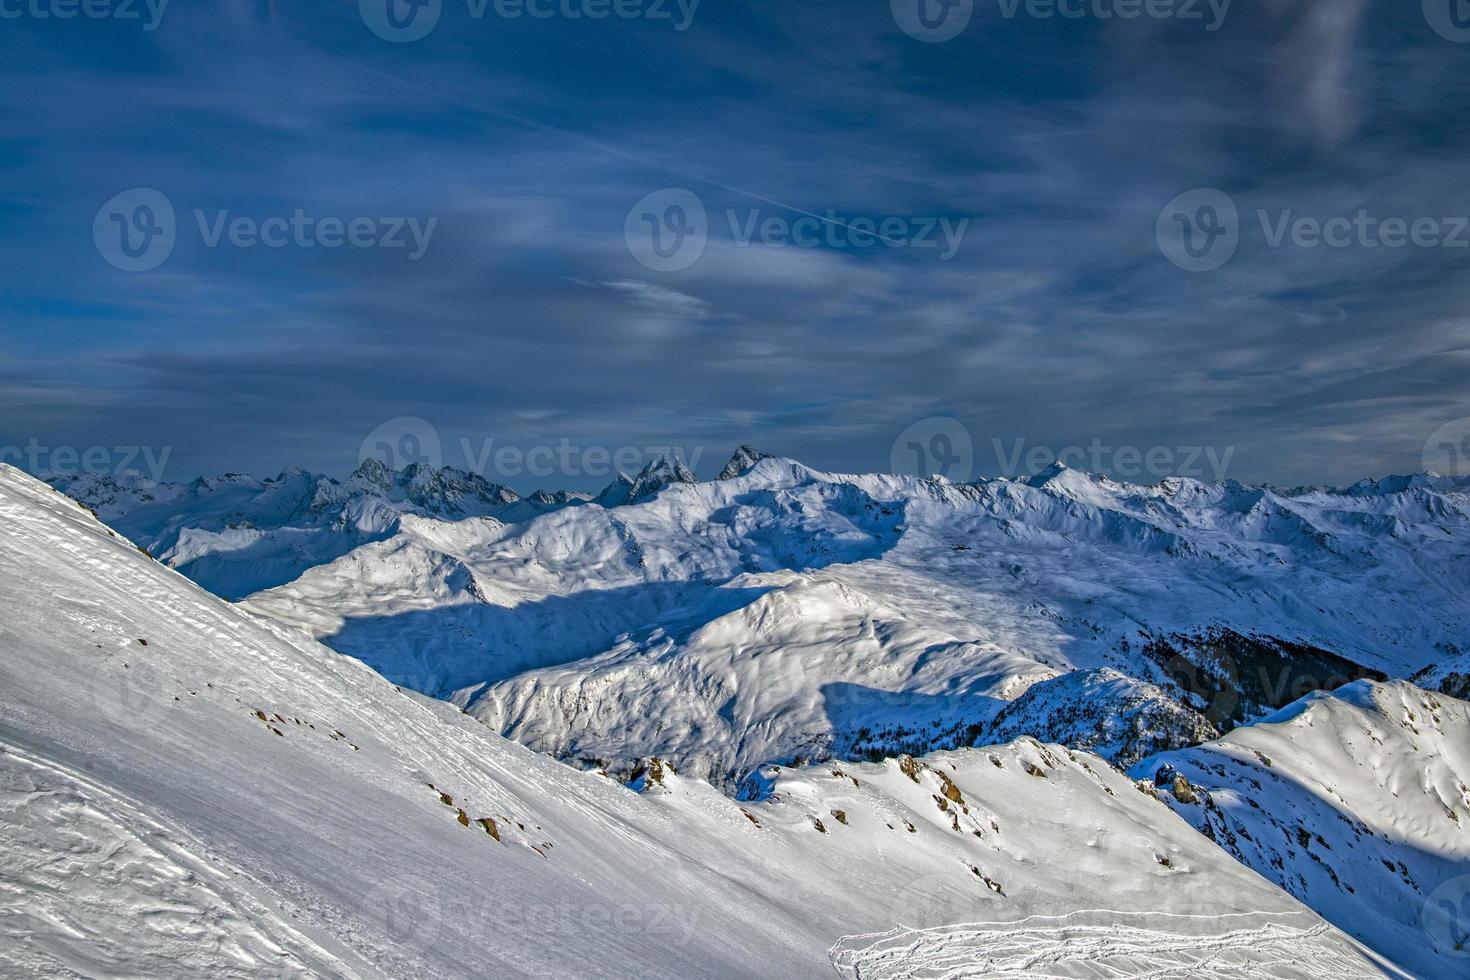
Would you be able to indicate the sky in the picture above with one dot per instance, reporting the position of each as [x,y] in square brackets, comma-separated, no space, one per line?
[1152,236]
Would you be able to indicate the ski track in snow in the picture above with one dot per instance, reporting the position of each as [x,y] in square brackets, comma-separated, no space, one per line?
[84,862]
[1096,946]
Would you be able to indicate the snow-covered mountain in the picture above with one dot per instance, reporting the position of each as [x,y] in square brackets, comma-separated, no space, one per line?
[187,789]
[236,534]
[785,612]
[1353,801]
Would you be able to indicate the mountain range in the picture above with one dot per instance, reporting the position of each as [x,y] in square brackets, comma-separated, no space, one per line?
[190,789]
[1281,668]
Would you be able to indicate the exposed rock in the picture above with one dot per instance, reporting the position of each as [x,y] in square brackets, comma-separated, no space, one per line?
[745,457]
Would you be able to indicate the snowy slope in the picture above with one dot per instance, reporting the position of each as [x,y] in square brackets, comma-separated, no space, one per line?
[189,790]
[785,612]
[807,668]
[1358,803]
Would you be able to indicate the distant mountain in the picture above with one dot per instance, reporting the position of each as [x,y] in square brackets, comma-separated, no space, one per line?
[792,614]
[236,534]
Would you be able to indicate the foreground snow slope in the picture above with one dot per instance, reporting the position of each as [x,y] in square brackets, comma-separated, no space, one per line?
[785,612]
[187,790]
[1358,803]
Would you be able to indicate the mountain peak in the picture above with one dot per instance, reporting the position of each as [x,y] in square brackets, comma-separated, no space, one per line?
[615,493]
[741,463]
[669,464]
[1052,472]
[659,474]
[373,471]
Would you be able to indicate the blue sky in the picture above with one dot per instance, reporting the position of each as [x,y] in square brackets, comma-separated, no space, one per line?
[528,319]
